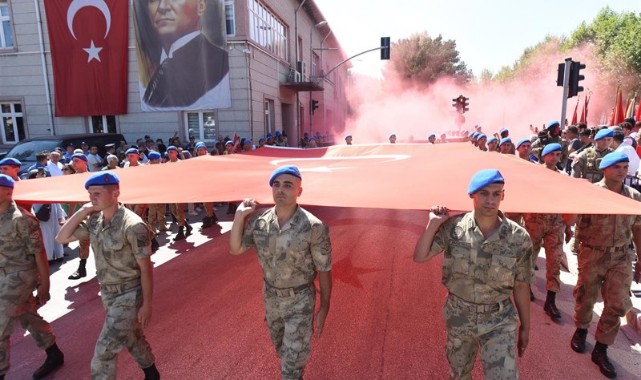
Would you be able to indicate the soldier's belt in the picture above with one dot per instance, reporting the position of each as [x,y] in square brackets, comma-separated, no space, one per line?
[120,287]
[286,292]
[605,249]
[13,269]
[479,307]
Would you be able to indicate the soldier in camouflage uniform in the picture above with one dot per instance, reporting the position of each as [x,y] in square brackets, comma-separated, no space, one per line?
[178,209]
[553,136]
[121,243]
[605,265]
[23,268]
[210,218]
[547,230]
[292,246]
[586,163]
[487,258]
[157,210]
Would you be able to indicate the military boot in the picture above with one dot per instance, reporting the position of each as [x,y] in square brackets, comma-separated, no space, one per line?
[181,234]
[600,358]
[189,229]
[154,244]
[151,372]
[578,340]
[55,358]
[550,307]
[81,272]
[207,222]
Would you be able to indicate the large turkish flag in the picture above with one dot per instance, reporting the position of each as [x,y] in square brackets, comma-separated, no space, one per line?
[89,54]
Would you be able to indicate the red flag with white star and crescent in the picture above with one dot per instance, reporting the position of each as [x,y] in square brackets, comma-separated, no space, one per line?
[89,55]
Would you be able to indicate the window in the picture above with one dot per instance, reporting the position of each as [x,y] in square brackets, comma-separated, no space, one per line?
[270,118]
[102,124]
[203,125]
[230,21]
[12,123]
[266,30]
[6,31]
[315,65]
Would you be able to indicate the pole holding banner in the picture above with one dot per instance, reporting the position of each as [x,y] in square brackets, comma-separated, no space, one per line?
[566,80]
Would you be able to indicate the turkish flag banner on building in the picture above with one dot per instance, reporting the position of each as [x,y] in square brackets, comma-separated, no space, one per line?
[89,53]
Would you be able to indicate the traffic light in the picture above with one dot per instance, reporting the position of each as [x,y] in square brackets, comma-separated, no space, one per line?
[575,78]
[313,105]
[385,47]
[461,104]
[456,105]
[465,104]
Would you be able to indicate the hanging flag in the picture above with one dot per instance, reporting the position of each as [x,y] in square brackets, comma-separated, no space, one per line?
[619,111]
[574,117]
[637,117]
[89,56]
[630,109]
[584,111]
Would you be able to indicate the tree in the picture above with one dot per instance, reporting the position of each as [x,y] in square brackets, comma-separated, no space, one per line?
[422,60]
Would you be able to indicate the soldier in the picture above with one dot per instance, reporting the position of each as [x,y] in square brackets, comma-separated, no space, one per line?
[348,139]
[605,265]
[487,258]
[178,209]
[156,210]
[24,267]
[210,218]
[586,163]
[506,146]
[292,246]
[392,138]
[121,243]
[547,230]
[431,138]
[481,140]
[472,138]
[492,144]
[553,135]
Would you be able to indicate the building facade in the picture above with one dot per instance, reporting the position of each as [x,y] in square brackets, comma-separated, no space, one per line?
[281,53]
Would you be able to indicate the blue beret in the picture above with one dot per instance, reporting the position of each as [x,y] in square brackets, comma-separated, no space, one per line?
[287,169]
[522,141]
[102,179]
[199,145]
[70,145]
[503,130]
[312,138]
[262,139]
[277,133]
[79,156]
[551,148]
[474,134]
[613,158]
[154,155]
[603,133]
[171,147]
[346,136]
[483,178]
[10,162]
[229,143]
[505,140]
[132,151]
[492,139]
[6,181]
[431,135]
[269,135]
[480,136]
[553,124]
[392,135]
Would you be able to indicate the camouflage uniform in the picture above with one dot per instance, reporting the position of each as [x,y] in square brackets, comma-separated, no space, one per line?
[586,164]
[547,229]
[290,257]
[479,274]
[540,143]
[157,215]
[116,247]
[20,242]
[605,265]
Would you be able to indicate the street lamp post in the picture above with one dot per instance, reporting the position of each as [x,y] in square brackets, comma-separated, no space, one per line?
[311,64]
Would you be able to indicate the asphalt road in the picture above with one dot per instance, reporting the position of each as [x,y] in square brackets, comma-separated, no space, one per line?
[385,320]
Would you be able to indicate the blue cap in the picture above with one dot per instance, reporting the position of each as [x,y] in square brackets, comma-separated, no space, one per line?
[269,135]
[431,135]
[199,145]
[553,124]
[603,133]
[6,181]
[132,151]
[262,139]
[70,145]
[277,133]
[505,140]
[483,178]
[480,136]
[287,169]
[80,156]
[102,179]
[492,139]
[613,158]
[550,148]
[522,141]
[171,147]
[10,162]
[154,155]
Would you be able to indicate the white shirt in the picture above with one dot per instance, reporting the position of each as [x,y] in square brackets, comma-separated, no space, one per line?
[633,156]
[54,169]
[93,159]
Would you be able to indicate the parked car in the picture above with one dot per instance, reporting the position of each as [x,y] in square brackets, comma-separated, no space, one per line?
[26,150]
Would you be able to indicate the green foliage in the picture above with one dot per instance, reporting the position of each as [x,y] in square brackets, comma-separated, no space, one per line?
[422,60]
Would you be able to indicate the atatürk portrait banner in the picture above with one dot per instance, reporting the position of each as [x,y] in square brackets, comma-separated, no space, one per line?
[182,57]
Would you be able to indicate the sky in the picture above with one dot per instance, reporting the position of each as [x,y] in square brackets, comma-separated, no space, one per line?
[489,34]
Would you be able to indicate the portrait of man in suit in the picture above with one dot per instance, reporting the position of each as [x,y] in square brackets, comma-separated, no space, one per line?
[182,58]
